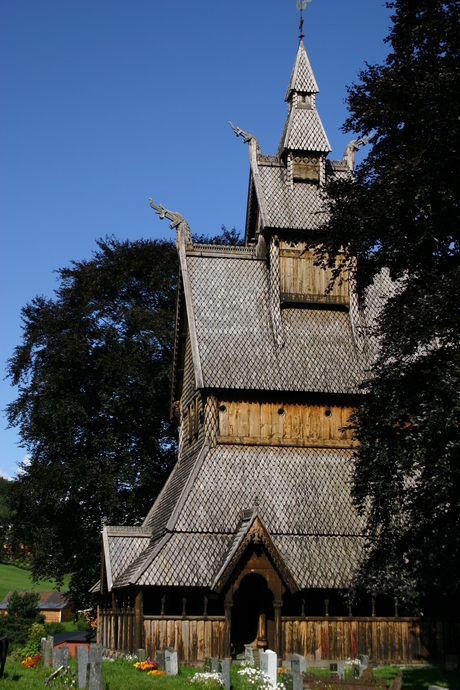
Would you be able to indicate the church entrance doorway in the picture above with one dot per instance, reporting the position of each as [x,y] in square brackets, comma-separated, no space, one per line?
[252,615]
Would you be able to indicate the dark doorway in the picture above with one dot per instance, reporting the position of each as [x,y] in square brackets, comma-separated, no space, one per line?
[252,614]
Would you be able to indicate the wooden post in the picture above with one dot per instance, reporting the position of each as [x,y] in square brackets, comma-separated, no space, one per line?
[228,627]
[277,604]
[326,608]
[138,622]
[373,607]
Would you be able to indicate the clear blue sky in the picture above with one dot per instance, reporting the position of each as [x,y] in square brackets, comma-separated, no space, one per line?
[105,103]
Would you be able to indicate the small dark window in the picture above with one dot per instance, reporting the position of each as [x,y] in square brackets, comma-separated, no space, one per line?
[281,412]
[222,408]
[328,413]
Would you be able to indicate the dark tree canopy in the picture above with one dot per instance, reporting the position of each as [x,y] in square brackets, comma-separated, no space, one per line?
[402,212]
[93,376]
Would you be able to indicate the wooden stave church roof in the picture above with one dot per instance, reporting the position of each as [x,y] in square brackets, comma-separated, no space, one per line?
[220,283]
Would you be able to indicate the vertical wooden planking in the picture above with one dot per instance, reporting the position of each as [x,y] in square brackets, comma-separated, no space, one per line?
[288,637]
[200,640]
[254,419]
[170,641]
[332,625]
[244,419]
[186,639]
[207,638]
[265,421]
[324,640]
[354,639]
[223,419]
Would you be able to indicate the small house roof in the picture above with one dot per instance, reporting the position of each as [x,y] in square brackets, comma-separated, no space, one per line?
[50,600]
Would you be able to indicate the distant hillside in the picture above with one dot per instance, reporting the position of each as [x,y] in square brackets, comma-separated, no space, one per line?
[17,578]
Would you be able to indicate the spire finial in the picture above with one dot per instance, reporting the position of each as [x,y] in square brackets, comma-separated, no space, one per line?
[301,5]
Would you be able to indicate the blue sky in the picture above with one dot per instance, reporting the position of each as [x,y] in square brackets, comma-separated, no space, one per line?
[104,103]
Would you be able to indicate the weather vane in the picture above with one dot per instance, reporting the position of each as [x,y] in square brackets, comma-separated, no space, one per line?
[301,5]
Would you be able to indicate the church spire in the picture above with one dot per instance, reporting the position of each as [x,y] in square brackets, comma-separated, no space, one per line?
[303,131]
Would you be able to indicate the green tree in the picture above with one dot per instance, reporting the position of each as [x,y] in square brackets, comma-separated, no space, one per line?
[22,613]
[401,212]
[93,376]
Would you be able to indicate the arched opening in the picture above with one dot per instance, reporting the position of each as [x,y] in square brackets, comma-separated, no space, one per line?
[252,615]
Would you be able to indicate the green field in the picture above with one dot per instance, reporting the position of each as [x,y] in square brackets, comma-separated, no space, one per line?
[16,578]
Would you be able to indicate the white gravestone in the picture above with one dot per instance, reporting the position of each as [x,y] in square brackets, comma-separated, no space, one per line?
[57,657]
[268,666]
[171,666]
[298,663]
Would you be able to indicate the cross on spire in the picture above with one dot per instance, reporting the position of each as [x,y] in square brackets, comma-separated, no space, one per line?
[301,5]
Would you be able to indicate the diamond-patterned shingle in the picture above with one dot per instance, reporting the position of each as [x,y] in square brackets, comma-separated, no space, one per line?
[302,77]
[300,491]
[304,132]
[235,336]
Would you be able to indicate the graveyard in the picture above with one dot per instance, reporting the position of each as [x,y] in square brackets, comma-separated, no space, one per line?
[89,670]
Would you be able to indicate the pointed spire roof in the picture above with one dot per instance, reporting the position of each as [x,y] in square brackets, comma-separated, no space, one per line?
[303,130]
[302,77]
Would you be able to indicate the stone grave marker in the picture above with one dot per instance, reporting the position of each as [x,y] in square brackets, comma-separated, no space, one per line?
[341,669]
[249,655]
[225,670]
[171,666]
[141,654]
[48,651]
[214,665]
[292,680]
[65,656]
[95,667]
[57,657]
[159,658]
[82,665]
[363,662]
[298,663]
[42,643]
[268,665]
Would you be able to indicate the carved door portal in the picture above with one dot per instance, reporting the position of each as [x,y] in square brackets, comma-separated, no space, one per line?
[252,615]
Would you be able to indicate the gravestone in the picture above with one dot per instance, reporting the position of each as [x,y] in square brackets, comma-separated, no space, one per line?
[214,665]
[225,671]
[82,665]
[4,642]
[57,657]
[268,666]
[65,656]
[171,666]
[42,643]
[141,654]
[159,658]
[298,663]
[451,662]
[95,667]
[292,680]
[207,664]
[249,655]
[48,651]
[363,662]
[341,669]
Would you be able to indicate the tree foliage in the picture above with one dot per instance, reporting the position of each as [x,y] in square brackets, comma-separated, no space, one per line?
[93,377]
[402,212]
[22,613]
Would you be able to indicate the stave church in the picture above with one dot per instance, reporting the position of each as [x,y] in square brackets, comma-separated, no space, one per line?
[254,538]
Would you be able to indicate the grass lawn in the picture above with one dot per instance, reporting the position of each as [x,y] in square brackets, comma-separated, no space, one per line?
[17,578]
[120,675]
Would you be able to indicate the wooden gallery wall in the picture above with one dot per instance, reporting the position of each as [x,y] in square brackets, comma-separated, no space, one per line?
[402,640]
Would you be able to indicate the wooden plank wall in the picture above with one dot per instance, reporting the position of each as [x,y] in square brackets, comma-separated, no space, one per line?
[116,629]
[299,276]
[193,638]
[383,639]
[297,425]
